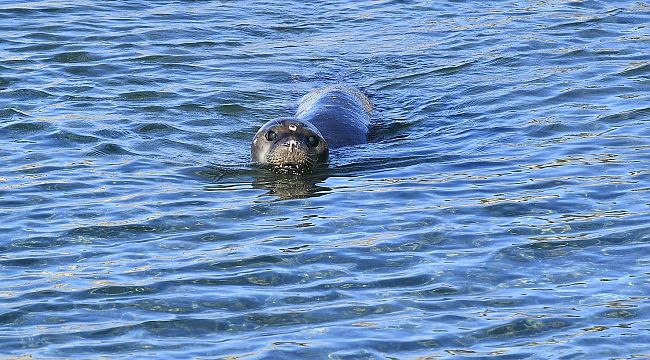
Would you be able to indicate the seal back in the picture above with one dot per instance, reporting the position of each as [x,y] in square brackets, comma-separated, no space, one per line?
[341,114]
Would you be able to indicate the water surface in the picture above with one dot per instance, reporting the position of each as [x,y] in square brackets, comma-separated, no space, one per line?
[500,210]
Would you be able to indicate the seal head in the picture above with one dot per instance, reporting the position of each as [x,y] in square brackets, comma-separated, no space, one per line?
[289,145]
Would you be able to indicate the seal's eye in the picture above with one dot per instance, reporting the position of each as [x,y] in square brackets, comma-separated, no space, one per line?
[271,135]
[312,141]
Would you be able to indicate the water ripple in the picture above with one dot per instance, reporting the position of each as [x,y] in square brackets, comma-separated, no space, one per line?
[499,211]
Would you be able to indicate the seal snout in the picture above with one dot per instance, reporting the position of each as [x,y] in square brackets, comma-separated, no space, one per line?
[292,144]
[289,144]
[291,151]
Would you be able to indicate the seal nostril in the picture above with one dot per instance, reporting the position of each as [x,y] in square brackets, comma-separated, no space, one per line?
[292,144]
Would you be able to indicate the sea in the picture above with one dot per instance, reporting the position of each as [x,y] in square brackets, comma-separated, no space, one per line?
[500,209]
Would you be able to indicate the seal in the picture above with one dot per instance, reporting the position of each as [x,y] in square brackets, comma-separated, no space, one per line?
[327,118]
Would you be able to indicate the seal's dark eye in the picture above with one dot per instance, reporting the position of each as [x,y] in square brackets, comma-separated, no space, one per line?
[312,141]
[271,135]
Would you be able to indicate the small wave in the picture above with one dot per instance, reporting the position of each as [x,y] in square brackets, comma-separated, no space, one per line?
[211,44]
[27,127]
[71,57]
[146,95]
[167,59]
[639,69]
[523,328]
[7,81]
[27,94]
[641,114]
[96,70]
[156,127]
[112,133]
[108,149]
[70,137]
[11,112]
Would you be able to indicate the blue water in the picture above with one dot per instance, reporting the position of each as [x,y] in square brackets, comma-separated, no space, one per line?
[500,210]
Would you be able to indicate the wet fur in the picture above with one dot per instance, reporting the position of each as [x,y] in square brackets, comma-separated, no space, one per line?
[337,115]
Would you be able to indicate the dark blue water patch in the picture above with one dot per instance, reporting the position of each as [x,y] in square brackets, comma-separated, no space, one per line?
[223,109]
[561,243]
[6,82]
[122,79]
[54,186]
[26,127]
[497,212]
[75,89]
[143,96]
[183,60]
[521,328]
[100,232]
[47,36]
[640,71]
[67,138]
[156,128]
[108,149]
[24,94]
[93,70]
[112,133]
[40,242]
[28,10]
[10,113]
[154,109]
[171,147]
[73,57]
[598,55]
[212,44]
[606,17]
[36,261]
